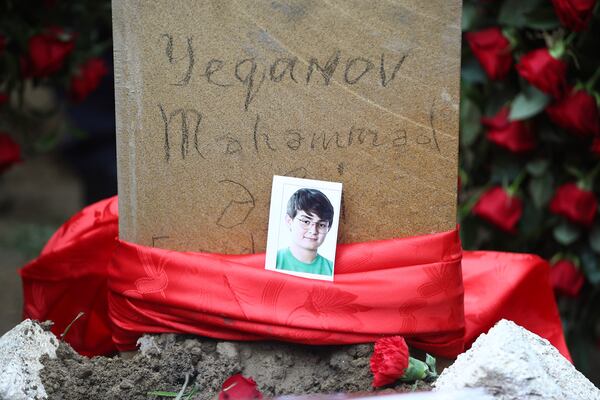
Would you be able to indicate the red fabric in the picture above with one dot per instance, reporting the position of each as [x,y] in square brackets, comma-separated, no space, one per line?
[410,287]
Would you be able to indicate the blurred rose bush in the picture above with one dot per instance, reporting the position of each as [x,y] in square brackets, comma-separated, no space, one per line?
[53,45]
[530,145]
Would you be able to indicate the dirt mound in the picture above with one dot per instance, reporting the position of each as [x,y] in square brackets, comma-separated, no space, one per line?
[164,361]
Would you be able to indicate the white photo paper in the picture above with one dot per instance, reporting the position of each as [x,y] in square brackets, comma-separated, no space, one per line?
[303,227]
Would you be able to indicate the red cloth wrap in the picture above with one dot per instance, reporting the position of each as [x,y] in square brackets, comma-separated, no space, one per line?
[410,287]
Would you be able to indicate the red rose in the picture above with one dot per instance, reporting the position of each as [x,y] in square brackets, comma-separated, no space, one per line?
[596,146]
[499,208]
[3,98]
[2,43]
[87,79]
[237,387]
[576,113]
[543,71]
[389,360]
[574,14]
[577,205]
[47,53]
[10,152]
[566,278]
[516,136]
[492,50]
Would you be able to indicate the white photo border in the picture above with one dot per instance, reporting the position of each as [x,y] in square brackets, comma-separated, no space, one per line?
[277,209]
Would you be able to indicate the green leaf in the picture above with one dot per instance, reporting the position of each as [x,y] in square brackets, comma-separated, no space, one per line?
[537,167]
[541,190]
[515,12]
[589,263]
[594,238]
[162,394]
[566,233]
[469,232]
[528,103]
[542,19]
[531,222]
[469,16]
[505,170]
[47,142]
[431,361]
[470,125]
[471,71]
[416,370]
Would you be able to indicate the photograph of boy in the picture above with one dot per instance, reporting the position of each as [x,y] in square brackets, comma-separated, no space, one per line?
[309,218]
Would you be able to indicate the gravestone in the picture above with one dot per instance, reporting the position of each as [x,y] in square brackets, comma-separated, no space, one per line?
[215,97]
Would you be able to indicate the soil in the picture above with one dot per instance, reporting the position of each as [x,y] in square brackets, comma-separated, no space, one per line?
[164,361]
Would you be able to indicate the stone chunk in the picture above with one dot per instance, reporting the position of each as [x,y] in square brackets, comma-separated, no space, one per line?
[20,351]
[512,363]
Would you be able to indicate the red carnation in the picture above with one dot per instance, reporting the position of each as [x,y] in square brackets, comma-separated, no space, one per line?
[492,50]
[566,278]
[2,43]
[516,136]
[3,98]
[543,71]
[47,53]
[576,113]
[389,360]
[238,387]
[577,205]
[10,152]
[87,78]
[499,208]
[574,14]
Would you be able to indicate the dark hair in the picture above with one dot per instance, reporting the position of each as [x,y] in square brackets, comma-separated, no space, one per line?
[312,202]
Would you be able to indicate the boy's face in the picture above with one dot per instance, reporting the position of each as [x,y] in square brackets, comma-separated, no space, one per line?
[308,231]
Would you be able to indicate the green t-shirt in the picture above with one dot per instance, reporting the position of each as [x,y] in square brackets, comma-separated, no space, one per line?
[287,261]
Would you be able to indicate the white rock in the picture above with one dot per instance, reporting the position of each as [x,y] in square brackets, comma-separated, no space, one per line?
[512,363]
[20,351]
[147,345]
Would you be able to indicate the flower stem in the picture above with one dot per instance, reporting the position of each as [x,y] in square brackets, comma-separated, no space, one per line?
[514,187]
[589,85]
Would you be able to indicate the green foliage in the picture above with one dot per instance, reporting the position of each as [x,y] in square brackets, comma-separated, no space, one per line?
[528,103]
[87,24]
[559,157]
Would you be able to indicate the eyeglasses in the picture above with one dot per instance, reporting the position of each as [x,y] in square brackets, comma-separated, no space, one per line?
[320,226]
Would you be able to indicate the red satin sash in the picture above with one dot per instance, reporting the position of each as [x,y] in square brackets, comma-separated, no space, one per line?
[411,287]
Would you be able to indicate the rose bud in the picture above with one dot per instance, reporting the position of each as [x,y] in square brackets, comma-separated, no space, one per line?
[501,209]
[566,278]
[515,136]
[577,113]
[542,70]
[574,15]
[576,204]
[492,50]
[47,53]
[596,146]
[87,78]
